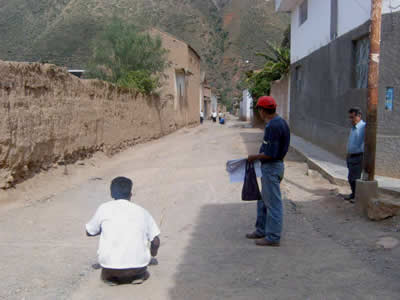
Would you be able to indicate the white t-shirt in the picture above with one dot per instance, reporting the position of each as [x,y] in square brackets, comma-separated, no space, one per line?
[220,115]
[126,234]
[201,114]
[214,114]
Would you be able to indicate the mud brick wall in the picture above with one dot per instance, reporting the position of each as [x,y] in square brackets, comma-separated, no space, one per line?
[49,116]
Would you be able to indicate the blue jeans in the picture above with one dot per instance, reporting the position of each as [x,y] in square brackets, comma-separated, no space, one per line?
[270,208]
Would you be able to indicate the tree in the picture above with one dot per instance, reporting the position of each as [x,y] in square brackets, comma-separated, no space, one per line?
[277,65]
[124,55]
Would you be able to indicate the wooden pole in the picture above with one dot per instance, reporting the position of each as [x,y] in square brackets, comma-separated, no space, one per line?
[373,90]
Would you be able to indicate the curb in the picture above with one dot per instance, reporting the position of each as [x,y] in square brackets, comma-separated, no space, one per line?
[313,165]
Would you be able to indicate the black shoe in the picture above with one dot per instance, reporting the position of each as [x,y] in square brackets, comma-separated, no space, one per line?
[254,236]
[142,279]
[348,197]
[265,243]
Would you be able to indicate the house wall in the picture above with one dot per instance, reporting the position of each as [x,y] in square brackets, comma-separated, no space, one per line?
[318,22]
[280,92]
[315,32]
[214,103]
[48,116]
[184,61]
[388,141]
[207,101]
[194,86]
[323,89]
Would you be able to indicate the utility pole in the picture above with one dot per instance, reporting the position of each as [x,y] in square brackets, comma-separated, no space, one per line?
[373,90]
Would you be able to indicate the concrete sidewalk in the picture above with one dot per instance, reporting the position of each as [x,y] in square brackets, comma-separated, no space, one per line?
[333,167]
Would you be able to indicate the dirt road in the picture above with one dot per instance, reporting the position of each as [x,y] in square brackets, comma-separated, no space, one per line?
[328,251]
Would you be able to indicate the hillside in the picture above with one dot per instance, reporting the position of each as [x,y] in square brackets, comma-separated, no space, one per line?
[225,32]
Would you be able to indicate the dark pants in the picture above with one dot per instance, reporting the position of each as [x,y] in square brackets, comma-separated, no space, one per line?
[201,120]
[123,276]
[354,164]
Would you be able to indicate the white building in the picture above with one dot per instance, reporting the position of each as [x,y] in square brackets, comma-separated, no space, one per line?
[246,107]
[329,73]
[315,23]
[214,103]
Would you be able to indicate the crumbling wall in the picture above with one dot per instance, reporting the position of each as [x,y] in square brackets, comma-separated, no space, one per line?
[49,116]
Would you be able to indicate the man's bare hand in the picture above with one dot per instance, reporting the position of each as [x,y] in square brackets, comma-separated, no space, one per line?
[252,158]
[155,244]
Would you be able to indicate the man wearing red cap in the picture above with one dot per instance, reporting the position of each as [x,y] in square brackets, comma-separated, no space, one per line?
[272,152]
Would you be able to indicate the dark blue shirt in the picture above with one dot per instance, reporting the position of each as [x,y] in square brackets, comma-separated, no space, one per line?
[276,139]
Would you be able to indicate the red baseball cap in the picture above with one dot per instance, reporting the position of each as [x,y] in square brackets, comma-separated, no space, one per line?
[266,102]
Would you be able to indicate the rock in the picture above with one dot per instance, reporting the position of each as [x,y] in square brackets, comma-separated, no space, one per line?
[380,209]
[312,173]
[387,243]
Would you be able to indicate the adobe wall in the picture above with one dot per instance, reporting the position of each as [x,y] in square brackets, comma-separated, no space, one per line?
[49,116]
[194,86]
[280,92]
[181,59]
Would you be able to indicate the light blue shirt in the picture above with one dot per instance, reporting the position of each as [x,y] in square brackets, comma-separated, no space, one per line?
[356,138]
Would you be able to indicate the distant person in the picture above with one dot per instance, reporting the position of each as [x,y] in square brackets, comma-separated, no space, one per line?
[220,116]
[273,150]
[355,150]
[129,236]
[201,117]
[214,116]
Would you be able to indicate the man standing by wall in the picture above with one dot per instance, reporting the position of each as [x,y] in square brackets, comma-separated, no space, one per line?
[272,152]
[355,150]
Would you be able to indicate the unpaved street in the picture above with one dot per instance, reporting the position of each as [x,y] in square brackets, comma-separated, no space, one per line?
[327,252]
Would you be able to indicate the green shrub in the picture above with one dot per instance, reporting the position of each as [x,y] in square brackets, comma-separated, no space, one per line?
[277,66]
[142,81]
[126,56]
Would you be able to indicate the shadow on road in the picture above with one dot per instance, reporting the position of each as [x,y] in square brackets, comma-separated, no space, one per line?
[220,263]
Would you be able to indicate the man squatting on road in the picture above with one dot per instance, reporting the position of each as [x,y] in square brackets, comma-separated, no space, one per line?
[355,150]
[272,152]
[128,236]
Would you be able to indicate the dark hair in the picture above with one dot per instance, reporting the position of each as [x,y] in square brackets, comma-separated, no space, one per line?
[269,111]
[121,188]
[355,110]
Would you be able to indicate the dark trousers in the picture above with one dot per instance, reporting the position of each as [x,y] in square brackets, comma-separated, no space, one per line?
[201,120]
[354,164]
[123,276]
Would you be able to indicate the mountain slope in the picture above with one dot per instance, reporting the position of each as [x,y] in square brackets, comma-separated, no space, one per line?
[224,32]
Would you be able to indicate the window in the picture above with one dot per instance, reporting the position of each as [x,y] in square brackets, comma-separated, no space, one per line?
[361,62]
[334,19]
[303,13]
